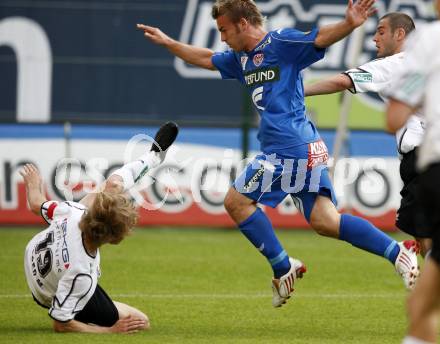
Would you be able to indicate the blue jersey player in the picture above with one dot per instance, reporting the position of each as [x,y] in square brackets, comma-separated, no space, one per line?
[294,158]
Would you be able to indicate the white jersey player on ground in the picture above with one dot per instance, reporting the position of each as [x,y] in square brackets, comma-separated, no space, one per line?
[419,86]
[61,263]
[376,76]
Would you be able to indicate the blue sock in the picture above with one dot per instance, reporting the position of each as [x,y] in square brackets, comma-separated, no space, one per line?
[362,234]
[258,230]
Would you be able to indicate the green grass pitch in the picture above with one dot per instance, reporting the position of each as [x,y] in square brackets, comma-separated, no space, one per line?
[211,286]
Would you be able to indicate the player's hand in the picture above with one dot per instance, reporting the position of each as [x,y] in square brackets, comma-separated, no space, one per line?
[128,325]
[154,34]
[31,175]
[357,13]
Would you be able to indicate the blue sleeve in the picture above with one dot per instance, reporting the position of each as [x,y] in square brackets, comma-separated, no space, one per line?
[227,65]
[298,47]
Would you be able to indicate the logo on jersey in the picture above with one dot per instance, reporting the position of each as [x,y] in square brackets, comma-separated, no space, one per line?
[362,77]
[317,154]
[261,76]
[243,61]
[254,178]
[64,250]
[258,59]
[264,44]
[257,96]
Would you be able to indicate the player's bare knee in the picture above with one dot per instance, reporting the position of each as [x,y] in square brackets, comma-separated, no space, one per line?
[319,226]
[232,203]
[324,225]
[324,218]
[239,207]
[228,203]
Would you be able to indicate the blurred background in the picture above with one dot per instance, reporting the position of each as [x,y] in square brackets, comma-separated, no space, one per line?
[77,80]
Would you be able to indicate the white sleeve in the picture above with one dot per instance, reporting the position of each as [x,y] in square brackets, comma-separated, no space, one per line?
[409,85]
[72,295]
[51,209]
[373,76]
[47,210]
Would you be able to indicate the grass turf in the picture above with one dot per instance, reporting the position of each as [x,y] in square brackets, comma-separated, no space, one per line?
[211,286]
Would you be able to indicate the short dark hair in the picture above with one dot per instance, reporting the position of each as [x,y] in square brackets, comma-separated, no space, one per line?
[237,9]
[400,20]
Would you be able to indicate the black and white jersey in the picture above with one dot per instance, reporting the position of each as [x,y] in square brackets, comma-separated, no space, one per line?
[418,84]
[59,271]
[377,76]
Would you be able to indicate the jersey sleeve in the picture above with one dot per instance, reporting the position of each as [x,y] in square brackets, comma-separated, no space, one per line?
[73,293]
[227,64]
[47,210]
[51,209]
[409,85]
[298,47]
[373,76]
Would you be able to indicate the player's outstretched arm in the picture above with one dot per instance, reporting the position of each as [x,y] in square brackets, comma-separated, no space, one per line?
[197,56]
[34,187]
[332,84]
[355,15]
[125,325]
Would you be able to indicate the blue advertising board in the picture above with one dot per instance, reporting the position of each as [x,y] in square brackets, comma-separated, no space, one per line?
[65,60]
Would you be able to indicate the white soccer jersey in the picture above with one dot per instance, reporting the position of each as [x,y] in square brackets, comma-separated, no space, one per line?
[60,273]
[376,76]
[418,84]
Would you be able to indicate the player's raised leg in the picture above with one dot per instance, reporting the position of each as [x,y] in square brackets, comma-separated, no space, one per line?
[326,220]
[125,177]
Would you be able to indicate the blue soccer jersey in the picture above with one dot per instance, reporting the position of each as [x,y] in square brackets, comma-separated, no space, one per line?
[272,74]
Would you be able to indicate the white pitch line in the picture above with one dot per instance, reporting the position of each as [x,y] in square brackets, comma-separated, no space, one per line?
[235,296]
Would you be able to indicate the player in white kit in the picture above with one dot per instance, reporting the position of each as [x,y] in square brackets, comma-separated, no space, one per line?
[61,263]
[418,86]
[376,76]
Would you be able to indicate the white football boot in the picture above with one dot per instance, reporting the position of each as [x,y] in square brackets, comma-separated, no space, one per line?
[283,287]
[406,262]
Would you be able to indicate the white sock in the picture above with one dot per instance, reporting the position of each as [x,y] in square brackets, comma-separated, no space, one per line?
[413,340]
[135,170]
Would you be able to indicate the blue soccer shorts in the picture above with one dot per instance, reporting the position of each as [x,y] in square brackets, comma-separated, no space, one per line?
[269,178]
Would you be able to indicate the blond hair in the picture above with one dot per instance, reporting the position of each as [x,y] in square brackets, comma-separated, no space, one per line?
[237,9]
[110,218]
